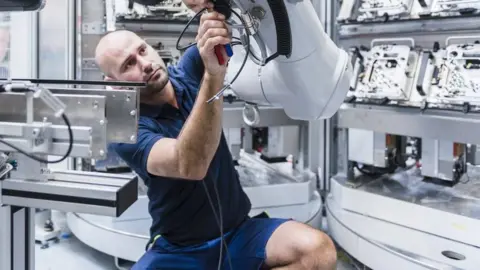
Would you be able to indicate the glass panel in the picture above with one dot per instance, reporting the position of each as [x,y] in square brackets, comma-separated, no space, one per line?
[53,40]
[4,44]
[17,56]
[53,49]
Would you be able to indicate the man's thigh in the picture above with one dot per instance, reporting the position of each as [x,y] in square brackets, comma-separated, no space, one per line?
[153,260]
[165,256]
[247,247]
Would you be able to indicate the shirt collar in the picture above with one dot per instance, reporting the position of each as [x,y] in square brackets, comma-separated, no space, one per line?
[166,109]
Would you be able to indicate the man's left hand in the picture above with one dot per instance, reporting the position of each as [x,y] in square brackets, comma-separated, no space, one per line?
[197,5]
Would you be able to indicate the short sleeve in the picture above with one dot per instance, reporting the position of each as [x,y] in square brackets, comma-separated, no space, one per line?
[136,155]
[191,64]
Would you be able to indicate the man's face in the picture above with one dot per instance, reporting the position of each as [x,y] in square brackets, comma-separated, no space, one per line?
[127,57]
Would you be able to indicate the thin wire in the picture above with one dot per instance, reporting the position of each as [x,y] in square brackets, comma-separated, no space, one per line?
[247,46]
[185,29]
[219,216]
[219,221]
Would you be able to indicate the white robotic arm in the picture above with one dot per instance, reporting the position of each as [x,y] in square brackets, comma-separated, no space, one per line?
[307,74]
[290,61]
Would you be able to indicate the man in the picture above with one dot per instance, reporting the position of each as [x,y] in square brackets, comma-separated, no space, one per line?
[181,154]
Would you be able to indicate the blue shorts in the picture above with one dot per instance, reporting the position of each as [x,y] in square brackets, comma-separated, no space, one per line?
[246,246]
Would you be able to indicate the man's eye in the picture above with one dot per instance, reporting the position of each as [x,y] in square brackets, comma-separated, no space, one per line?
[130,64]
[142,51]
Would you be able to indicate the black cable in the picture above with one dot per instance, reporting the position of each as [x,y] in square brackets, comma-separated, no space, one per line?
[219,220]
[247,54]
[67,154]
[247,46]
[177,46]
[237,41]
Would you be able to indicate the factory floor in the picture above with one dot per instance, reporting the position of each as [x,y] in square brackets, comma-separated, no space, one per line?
[72,254]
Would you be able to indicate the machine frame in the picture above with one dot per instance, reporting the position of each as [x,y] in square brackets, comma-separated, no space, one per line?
[27,184]
[376,231]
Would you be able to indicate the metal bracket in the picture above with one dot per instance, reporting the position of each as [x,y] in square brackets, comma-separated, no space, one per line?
[40,136]
[94,28]
[391,41]
[89,64]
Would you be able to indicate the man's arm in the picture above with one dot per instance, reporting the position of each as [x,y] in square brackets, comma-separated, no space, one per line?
[191,64]
[189,156]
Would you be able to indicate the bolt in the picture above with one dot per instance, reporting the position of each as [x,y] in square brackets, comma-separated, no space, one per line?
[102,153]
[133,112]
[102,122]
[133,138]
[128,98]
[258,12]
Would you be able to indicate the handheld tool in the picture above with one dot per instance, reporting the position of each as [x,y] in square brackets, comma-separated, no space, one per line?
[223,7]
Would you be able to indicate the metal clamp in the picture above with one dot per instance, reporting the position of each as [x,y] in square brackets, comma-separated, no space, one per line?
[392,40]
[251,114]
[39,136]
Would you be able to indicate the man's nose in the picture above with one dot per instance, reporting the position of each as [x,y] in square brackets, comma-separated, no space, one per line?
[147,66]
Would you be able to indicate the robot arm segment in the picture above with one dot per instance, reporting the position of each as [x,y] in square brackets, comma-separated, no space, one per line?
[304,72]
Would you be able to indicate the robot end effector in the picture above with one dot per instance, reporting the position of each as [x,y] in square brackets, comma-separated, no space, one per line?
[279,63]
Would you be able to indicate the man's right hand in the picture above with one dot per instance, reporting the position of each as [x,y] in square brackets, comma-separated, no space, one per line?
[213,31]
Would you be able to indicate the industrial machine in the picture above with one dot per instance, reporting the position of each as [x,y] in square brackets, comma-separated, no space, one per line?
[39,121]
[405,193]
[397,163]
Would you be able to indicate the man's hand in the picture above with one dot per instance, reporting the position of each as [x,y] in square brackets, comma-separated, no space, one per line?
[197,5]
[213,31]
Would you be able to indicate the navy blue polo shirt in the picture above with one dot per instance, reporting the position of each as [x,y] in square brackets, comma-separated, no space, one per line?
[179,208]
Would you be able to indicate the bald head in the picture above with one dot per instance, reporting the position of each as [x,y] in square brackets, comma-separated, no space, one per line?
[124,56]
[111,47]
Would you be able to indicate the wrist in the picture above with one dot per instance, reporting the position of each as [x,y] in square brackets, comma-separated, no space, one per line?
[216,78]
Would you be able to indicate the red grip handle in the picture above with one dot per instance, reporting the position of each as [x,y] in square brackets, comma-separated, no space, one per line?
[219,54]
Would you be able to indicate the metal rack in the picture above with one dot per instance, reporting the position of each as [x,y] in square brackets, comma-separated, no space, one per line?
[372,217]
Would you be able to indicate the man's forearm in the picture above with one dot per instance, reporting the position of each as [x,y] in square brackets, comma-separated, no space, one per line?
[198,141]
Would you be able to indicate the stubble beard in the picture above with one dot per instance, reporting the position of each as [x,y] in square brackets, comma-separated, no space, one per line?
[154,88]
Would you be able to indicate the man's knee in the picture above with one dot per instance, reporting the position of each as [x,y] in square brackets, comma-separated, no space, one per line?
[318,251]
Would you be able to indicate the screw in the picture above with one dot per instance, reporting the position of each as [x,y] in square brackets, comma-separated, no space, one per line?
[133,138]
[102,122]
[102,153]
[133,112]
[258,12]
